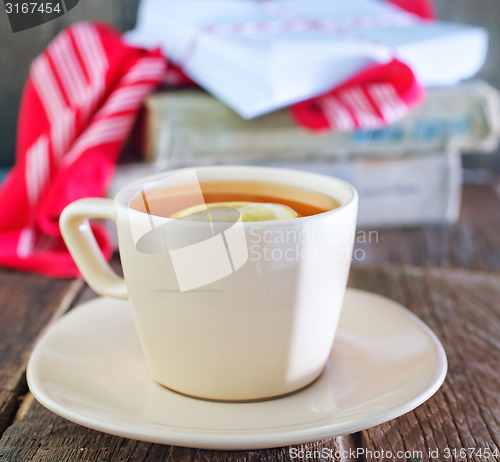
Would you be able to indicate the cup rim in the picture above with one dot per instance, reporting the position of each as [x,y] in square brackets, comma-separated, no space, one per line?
[125,194]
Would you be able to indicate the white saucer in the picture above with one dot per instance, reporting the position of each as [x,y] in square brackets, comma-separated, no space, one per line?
[89,368]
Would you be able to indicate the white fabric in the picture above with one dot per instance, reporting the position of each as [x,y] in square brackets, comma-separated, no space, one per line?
[256,70]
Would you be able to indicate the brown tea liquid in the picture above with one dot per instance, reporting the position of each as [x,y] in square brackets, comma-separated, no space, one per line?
[169,200]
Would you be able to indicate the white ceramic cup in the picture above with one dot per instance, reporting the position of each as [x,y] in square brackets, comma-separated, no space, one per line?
[238,311]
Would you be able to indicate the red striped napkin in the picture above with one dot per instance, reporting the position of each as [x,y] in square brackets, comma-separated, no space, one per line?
[371,99]
[79,104]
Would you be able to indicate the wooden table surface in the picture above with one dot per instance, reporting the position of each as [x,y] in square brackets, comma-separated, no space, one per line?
[449,277]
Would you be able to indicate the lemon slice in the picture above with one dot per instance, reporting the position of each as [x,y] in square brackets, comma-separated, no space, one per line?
[230,212]
[266,211]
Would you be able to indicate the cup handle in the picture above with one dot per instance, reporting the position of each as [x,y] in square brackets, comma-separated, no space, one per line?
[83,247]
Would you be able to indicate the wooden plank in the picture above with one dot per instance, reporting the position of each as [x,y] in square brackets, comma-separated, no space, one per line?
[462,308]
[53,438]
[472,243]
[45,437]
[28,303]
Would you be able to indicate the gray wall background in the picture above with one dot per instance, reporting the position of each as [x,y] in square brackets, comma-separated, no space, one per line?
[19,49]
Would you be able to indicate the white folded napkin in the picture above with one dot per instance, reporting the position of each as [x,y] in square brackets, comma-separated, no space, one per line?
[260,55]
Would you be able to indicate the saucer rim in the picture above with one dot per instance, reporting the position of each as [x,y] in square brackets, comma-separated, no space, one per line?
[240,439]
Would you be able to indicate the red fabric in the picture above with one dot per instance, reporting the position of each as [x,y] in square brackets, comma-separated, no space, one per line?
[423,8]
[79,104]
[175,77]
[371,99]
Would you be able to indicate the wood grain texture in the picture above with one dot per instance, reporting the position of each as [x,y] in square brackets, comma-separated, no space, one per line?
[463,308]
[44,437]
[28,303]
[460,306]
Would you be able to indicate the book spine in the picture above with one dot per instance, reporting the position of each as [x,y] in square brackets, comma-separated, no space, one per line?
[202,129]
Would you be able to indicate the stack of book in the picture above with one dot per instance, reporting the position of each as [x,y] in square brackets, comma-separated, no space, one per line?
[407,174]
